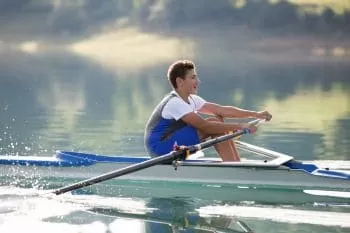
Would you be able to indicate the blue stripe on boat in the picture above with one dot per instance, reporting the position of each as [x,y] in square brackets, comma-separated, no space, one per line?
[42,162]
[76,156]
[301,166]
[67,159]
[334,173]
[312,168]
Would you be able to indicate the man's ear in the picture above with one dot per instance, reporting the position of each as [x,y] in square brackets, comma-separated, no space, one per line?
[179,81]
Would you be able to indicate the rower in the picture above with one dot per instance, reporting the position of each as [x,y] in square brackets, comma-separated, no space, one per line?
[176,119]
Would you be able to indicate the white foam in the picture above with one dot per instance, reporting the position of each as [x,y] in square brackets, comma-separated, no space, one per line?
[32,211]
[26,223]
[328,193]
[127,225]
[280,215]
[130,205]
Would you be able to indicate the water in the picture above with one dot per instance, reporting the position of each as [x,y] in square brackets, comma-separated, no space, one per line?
[97,213]
[81,97]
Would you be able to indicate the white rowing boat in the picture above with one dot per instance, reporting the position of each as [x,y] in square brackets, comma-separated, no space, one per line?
[274,169]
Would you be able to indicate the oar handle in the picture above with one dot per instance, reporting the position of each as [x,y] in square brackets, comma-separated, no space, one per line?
[225,137]
[256,122]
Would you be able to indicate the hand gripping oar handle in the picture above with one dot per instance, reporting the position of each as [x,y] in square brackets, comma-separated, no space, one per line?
[179,154]
[225,137]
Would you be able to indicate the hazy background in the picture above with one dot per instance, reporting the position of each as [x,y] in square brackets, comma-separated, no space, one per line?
[84,75]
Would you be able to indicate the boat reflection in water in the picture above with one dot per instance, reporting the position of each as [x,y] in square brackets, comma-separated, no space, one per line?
[172,215]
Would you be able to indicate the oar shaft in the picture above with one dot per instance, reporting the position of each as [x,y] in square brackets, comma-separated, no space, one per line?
[226,137]
[120,172]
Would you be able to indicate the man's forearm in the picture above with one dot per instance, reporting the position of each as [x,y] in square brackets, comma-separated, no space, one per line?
[216,127]
[234,112]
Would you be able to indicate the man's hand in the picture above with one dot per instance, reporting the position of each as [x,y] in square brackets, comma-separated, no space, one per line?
[250,127]
[264,115]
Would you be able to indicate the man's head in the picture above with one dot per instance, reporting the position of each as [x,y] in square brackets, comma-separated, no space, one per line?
[182,74]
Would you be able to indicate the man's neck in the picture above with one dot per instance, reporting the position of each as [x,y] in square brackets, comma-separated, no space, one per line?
[183,94]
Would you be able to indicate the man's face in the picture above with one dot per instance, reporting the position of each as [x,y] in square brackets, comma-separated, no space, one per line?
[190,82]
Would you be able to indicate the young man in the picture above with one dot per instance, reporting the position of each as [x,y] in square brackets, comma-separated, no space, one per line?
[175,120]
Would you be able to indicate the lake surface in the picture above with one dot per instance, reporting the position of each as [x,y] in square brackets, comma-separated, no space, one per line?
[74,98]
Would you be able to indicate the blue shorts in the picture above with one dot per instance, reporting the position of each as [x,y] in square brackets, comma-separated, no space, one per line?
[185,136]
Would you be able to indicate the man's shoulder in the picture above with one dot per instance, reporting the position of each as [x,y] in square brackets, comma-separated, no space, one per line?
[176,103]
[175,100]
[175,108]
[197,98]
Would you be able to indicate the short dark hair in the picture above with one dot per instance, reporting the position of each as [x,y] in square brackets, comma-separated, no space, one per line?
[179,69]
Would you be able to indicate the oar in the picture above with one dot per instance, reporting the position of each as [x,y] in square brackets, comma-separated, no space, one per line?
[179,154]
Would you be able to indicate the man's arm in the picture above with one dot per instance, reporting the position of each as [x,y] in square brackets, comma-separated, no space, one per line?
[213,127]
[232,112]
[228,111]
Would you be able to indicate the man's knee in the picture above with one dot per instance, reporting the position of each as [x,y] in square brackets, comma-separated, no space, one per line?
[203,135]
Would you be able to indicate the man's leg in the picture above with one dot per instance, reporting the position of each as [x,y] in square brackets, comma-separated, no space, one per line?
[227,149]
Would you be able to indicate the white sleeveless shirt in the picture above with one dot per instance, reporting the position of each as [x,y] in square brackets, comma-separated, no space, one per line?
[177,107]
